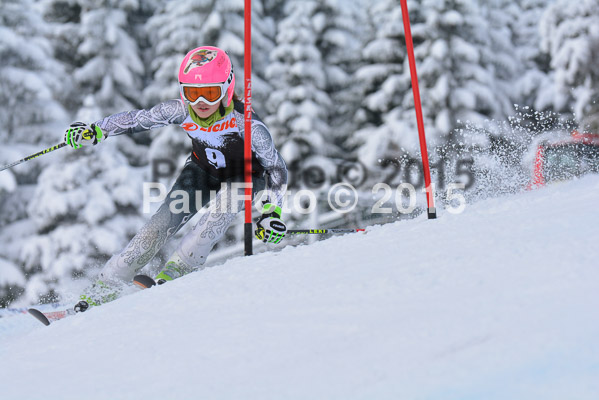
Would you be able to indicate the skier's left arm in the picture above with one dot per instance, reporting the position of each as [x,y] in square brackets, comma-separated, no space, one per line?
[274,165]
[270,228]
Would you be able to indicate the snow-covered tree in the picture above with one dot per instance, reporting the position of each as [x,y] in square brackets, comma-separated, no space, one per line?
[380,81]
[299,106]
[501,48]
[30,88]
[464,72]
[508,25]
[339,26]
[102,43]
[109,78]
[30,77]
[83,210]
[570,35]
[534,64]
[85,204]
[463,68]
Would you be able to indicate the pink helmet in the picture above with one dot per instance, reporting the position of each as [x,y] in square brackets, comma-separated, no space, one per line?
[208,65]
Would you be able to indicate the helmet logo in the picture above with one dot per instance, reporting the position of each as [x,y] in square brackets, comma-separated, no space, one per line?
[199,59]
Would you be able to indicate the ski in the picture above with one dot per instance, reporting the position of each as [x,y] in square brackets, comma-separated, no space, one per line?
[49,317]
[144,281]
[46,318]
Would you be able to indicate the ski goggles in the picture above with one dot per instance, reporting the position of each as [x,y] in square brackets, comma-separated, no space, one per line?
[210,94]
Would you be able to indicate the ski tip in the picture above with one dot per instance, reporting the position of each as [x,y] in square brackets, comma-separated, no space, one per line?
[39,316]
[144,281]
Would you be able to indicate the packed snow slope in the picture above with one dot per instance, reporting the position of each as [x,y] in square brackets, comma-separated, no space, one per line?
[499,302]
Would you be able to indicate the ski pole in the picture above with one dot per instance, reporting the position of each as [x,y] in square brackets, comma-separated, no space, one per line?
[321,231]
[31,157]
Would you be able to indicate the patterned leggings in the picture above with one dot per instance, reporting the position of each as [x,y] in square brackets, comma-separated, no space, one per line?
[216,216]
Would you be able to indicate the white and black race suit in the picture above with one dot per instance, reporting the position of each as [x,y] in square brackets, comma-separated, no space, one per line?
[215,163]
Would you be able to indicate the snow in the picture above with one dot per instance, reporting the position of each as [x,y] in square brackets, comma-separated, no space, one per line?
[453,18]
[11,275]
[8,182]
[497,302]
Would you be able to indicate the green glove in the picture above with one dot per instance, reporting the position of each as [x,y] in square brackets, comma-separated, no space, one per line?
[80,134]
[270,228]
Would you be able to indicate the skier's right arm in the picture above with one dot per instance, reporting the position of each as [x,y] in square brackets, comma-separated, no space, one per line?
[163,114]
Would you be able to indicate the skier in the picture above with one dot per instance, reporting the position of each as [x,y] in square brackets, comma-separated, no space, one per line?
[212,117]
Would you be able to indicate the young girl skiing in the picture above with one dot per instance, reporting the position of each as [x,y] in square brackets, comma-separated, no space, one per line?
[213,119]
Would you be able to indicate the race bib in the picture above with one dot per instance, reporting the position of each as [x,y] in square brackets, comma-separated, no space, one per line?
[226,125]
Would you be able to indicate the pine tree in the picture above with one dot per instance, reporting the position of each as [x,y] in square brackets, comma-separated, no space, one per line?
[339,25]
[533,75]
[530,81]
[30,84]
[499,53]
[298,106]
[461,69]
[570,36]
[84,209]
[85,205]
[109,78]
[380,82]
[30,78]
[508,66]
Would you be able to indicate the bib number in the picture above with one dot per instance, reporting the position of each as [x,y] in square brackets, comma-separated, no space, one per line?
[216,158]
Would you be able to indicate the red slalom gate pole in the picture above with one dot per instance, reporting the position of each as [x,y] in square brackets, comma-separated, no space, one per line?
[432,213]
[247,153]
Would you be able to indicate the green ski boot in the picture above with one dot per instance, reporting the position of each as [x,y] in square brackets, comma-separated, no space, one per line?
[172,270]
[97,294]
